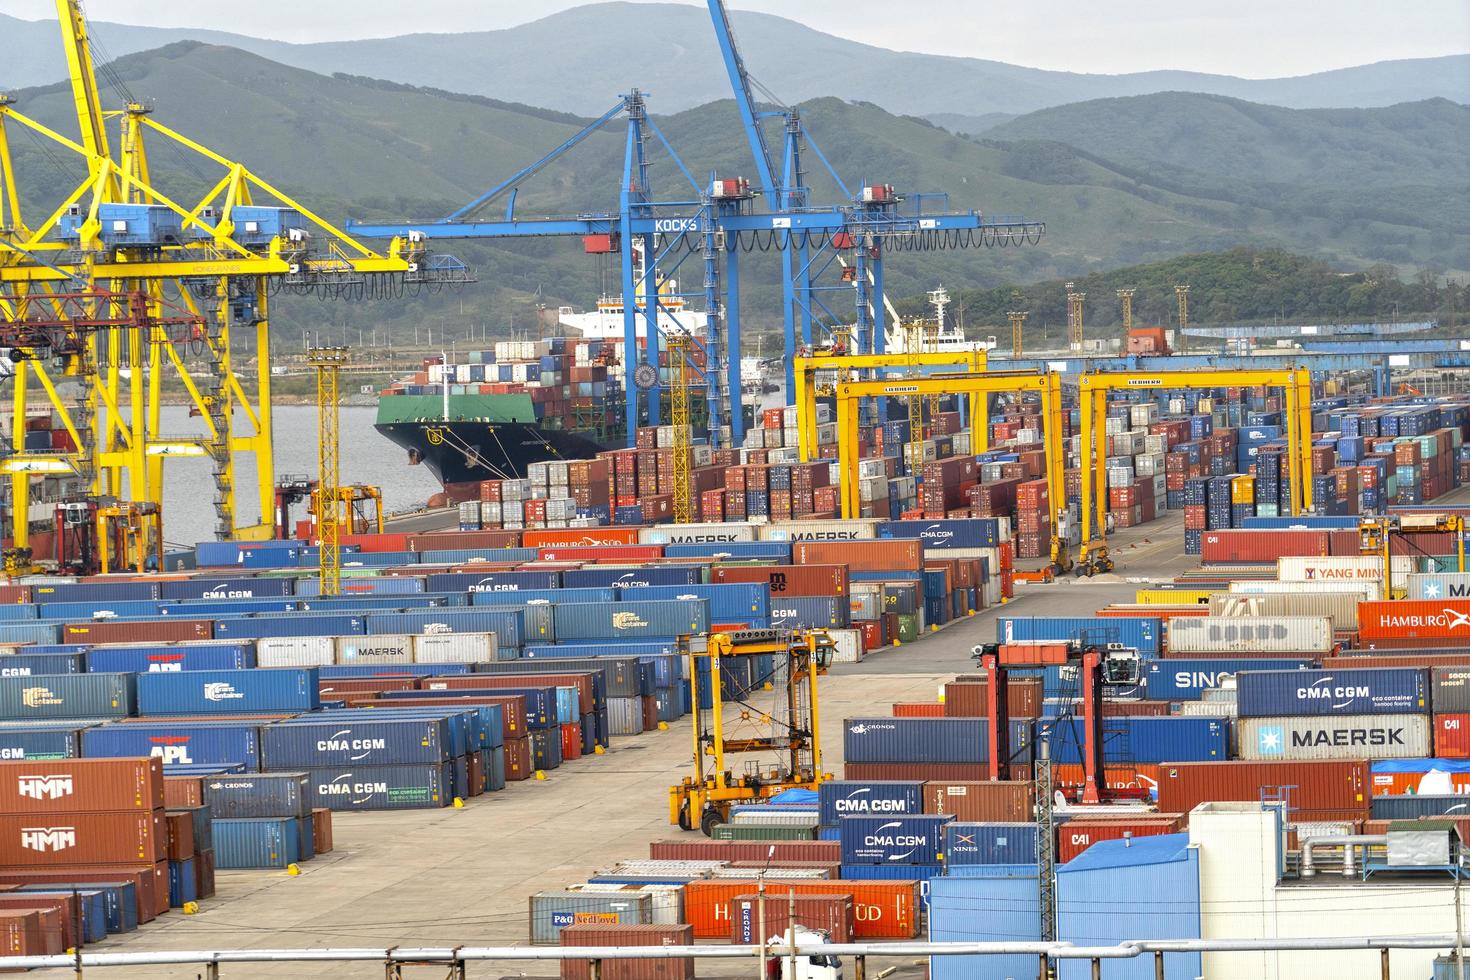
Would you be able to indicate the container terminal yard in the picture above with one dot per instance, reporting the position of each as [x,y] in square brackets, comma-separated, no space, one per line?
[939,660]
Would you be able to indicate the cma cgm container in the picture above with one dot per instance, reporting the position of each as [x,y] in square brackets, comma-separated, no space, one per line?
[1186,680]
[360,743]
[599,621]
[399,787]
[1335,737]
[1306,786]
[1381,691]
[1243,636]
[1141,633]
[947,534]
[43,696]
[68,785]
[229,588]
[839,798]
[41,743]
[215,692]
[892,839]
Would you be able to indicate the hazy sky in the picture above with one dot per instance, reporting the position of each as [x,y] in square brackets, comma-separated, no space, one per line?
[1252,38]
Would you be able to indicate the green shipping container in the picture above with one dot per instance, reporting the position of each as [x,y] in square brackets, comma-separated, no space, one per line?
[748,831]
[908,627]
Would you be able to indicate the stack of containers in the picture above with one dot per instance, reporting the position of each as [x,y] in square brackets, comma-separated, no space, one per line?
[1334,714]
[261,820]
[1451,702]
[891,846]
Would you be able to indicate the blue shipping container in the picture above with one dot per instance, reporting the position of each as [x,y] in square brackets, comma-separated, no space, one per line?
[989,843]
[277,690]
[28,664]
[277,794]
[1141,633]
[631,578]
[39,744]
[1187,680]
[892,839]
[230,588]
[341,742]
[598,621]
[1141,739]
[381,787]
[1382,691]
[204,743]
[838,798]
[172,657]
[976,533]
[256,843]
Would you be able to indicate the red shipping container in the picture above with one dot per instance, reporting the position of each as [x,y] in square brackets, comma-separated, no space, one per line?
[832,914]
[83,838]
[71,785]
[450,540]
[610,934]
[881,909]
[873,634]
[579,536]
[321,829]
[598,553]
[334,687]
[138,631]
[571,741]
[181,792]
[1441,619]
[1261,546]
[56,917]
[981,801]
[1451,736]
[1077,835]
[15,593]
[918,709]
[704,849]
[475,764]
[1308,787]
[180,835]
[879,555]
[21,934]
[150,880]
[970,699]
[204,871]
[788,580]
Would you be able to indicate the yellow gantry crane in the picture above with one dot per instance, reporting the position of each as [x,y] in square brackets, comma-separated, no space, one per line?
[1126,295]
[328,363]
[1074,317]
[1181,296]
[678,343]
[218,256]
[1018,320]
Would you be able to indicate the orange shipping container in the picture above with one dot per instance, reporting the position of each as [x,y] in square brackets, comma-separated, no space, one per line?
[880,555]
[1442,619]
[72,785]
[578,536]
[82,838]
[881,909]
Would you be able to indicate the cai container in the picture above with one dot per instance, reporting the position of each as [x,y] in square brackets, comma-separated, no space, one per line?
[892,839]
[553,911]
[66,785]
[332,743]
[837,798]
[46,696]
[1379,691]
[249,843]
[257,794]
[1334,737]
[989,843]
[102,837]
[282,690]
[1262,635]
[400,787]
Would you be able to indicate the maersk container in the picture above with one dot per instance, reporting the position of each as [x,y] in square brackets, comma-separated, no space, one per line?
[809,612]
[282,690]
[838,798]
[229,588]
[507,625]
[731,602]
[696,534]
[984,532]
[551,912]
[1378,691]
[1440,585]
[28,664]
[42,696]
[205,743]
[39,743]
[514,600]
[169,657]
[1243,636]
[398,787]
[337,742]
[1141,633]
[599,621]
[855,529]
[1140,739]
[245,844]
[456,648]
[1187,680]
[1334,737]
[377,648]
[906,839]
[257,794]
[93,591]
[287,624]
[989,843]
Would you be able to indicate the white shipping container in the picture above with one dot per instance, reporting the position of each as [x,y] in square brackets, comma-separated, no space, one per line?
[857,529]
[848,646]
[375,649]
[1207,709]
[785,454]
[1328,737]
[1142,416]
[1365,590]
[696,533]
[772,438]
[455,648]
[872,467]
[1149,464]
[873,488]
[489,512]
[827,434]
[1155,444]
[1340,607]
[668,900]
[1125,443]
[865,605]
[1344,568]
[1249,636]
[295,651]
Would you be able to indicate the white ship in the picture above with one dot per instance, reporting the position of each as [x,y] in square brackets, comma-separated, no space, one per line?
[931,336]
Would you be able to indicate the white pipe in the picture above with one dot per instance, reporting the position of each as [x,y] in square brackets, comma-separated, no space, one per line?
[1346,841]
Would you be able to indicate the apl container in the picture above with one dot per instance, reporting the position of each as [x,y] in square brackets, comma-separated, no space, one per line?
[1382,691]
[842,797]
[153,658]
[45,696]
[202,744]
[399,787]
[1336,737]
[989,843]
[215,692]
[1240,635]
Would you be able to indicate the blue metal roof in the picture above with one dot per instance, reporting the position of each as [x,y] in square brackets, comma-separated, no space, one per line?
[1156,849]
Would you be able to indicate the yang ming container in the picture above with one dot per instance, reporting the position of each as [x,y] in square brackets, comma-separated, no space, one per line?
[837,798]
[1335,737]
[398,787]
[283,690]
[1243,636]
[1381,691]
[44,696]
[892,839]
[355,743]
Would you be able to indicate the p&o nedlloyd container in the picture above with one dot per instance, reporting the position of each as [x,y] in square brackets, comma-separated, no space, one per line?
[1379,691]
[1335,737]
[551,912]
[1242,636]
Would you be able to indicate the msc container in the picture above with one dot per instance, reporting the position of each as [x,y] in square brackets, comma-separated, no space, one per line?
[215,692]
[1141,633]
[1186,680]
[1339,607]
[989,843]
[1336,737]
[295,651]
[175,745]
[68,785]
[400,787]
[1263,635]
[102,837]
[597,621]
[247,843]
[1305,786]
[1006,801]
[455,648]
[43,696]
[840,797]
[378,648]
[914,740]
[892,839]
[552,912]
[659,968]
[881,909]
[1380,691]
[347,743]
[159,658]
[1406,619]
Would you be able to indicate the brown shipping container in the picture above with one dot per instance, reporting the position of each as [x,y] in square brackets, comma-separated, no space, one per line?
[877,555]
[456,540]
[1338,784]
[204,872]
[697,849]
[1077,835]
[1260,546]
[981,801]
[518,763]
[180,836]
[57,914]
[321,830]
[20,934]
[15,593]
[881,909]
[72,785]
[182,792]
[599,934]
[82,838]
[960,772]
[151,881]
[581,681]
[138,631]
[971,700]
[831,914]
[787,580]
[365,685]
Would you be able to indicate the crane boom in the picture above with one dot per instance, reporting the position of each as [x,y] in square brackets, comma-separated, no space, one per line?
[744,100]
[83,77]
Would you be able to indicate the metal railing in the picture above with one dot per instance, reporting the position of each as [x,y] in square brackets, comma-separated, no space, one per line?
[457,958]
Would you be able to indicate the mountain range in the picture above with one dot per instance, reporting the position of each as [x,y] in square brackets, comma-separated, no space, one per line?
[578,61]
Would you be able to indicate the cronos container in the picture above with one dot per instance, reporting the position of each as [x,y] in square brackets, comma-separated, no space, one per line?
[1335,737]
[914,740]
[286,690]
[612,934]
[1243,636]
[276,794]
[892,839]
[65,785]
[839,798]
[1305,786]
[551,912]
[600,621]
[881,909]
[43,696]
[1382,691]
[403,787]
[1406,619]
[28,840]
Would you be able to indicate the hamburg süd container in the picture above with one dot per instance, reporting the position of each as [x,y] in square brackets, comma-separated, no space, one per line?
[398,787]
[1409,619]
[1378,691]
[1335,737]
[66,785]
[216,692]
[1239,635]
[892,839]
[62,696]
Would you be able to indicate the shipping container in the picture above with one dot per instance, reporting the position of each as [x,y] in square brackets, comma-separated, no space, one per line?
[455,648]
[1141,633]
[397,787]
[39,743]
[831,914]
[274,794]
[1335,737]
[216,692]
[103,837]
[67,785]
[138,631]
[989,843]
[260,842]
[1341,608]
[357,742]
[597,621]
[609,934]
[914,740]
[1186,680]
[881,909]
[1004,801]
[1305,786]
[48,696]
[839,798]
[1436,586]
[295,651]
[903,839]
[701,849]
[379,649]
[159,658]
[1405,619]
[551,912]
[176,744]
[1381,691]
[890,555]
[1239,636]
